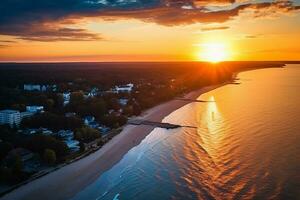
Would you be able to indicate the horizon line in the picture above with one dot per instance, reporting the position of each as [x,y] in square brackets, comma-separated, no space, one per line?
[153,61]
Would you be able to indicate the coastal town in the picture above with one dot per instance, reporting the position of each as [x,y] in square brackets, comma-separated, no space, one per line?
[46,124]
[52,137]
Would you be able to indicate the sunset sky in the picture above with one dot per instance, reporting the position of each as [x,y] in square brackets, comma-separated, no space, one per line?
[148,30]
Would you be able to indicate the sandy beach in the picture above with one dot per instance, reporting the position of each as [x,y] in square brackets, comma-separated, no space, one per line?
[71,179]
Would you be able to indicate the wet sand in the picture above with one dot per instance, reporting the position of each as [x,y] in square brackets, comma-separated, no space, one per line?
[71,179]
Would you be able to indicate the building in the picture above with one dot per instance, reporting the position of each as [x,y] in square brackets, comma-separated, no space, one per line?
[88,119]
[93,92]
[10,117]
[70,114]
[31,87]
[25,115]
[123,102]
[65,133]
[35,109]
[40,88]
[45,131]
[68,138]
[93,124]
[124,88]
[67,97]
[73,145]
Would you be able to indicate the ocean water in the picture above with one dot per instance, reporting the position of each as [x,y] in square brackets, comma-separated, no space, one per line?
[245,145]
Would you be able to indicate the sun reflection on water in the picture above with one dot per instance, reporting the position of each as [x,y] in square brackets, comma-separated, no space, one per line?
[212,116]
[210,124]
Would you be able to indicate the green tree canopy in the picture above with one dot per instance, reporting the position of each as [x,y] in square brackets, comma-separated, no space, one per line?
[49,156]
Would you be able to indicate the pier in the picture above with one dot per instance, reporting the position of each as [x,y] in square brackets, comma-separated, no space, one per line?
[138,122]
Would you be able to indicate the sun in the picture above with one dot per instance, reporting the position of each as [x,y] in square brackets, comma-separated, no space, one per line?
[213,52]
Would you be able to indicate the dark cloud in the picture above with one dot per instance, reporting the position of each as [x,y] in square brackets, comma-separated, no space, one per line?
[3,46]
[251,36]
[50,20]
[171,16]
[254,36]
[7,41]
[213,28]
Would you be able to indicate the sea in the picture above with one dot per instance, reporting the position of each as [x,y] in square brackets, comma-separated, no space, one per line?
[244,143]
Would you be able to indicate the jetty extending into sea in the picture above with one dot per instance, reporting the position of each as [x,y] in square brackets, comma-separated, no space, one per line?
[138,122]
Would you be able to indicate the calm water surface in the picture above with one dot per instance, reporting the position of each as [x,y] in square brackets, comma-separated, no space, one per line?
[246,145]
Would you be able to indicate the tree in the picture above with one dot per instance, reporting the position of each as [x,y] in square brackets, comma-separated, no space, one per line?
[76,98]
[49,104]
[59,101]
[81,146]
[5,147]
[98,108]
[17,165]
[52,121]
[114,121]
[49,156]
[39,143]
[86,134]
[128,110]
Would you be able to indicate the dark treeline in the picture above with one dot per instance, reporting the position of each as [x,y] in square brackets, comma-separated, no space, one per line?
[105,74]
[52,121]
[166,81]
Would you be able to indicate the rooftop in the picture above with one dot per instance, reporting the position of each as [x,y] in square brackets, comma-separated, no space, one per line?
[9,111]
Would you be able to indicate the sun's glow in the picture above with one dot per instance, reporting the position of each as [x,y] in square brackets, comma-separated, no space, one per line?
[213,52]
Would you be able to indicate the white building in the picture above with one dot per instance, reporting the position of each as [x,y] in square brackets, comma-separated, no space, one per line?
[93,92]
[10,117]
[41,88]
[88,119]
[35,109]
[67,97]
[31,87]
[26,114]
[123,101]
[68,136]
[124,88]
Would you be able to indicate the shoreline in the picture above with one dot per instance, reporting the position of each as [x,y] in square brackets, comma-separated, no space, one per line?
[67,181]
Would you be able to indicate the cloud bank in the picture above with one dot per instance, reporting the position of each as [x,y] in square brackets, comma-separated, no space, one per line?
[54,20]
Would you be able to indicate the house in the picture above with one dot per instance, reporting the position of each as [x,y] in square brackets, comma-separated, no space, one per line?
[68,138]
[32,87]
[123,101]
[88,119]
[93,92]
[35,109]
[30,131]
[70,114]
[93,124]
[54,88]
[65,133]
[72,144]
[40,88]
[41,130]
[67,97]
[103,129]
[43,88]
[124,88]
[45,131]
[10,117]
[26,115]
